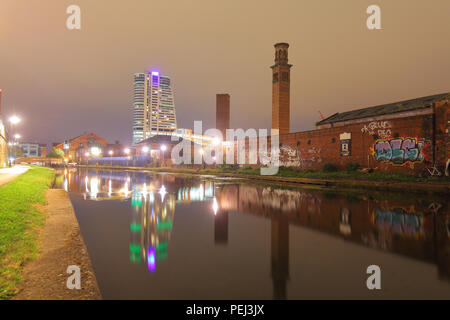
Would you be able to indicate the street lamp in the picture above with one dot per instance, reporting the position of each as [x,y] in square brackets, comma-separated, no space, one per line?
[111,154]
[163,148]
[14,120]
[127,152]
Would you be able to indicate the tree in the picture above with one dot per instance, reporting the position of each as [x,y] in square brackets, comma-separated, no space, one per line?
[17,152]
[56,153]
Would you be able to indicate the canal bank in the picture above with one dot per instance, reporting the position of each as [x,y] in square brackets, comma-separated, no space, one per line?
[61,245]
[438,186]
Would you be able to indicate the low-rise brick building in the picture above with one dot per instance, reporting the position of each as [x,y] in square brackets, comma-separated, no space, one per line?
[83,147]
[401,136]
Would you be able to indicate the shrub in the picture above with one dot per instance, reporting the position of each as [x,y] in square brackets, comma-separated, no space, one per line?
[352,166]
[329,167]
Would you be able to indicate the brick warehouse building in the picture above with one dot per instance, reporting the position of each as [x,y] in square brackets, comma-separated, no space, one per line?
[405,136]
[83,147]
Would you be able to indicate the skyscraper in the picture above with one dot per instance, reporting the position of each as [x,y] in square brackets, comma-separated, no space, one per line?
[154,107]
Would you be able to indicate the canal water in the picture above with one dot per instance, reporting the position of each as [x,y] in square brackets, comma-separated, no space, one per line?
[166,236]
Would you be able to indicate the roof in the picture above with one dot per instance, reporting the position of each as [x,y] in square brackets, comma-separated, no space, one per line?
[163,139]
[396,107]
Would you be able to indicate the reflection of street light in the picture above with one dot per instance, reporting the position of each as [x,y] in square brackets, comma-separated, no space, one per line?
[127,151]
[215,206]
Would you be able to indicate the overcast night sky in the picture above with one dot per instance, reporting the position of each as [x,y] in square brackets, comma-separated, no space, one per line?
[63,83]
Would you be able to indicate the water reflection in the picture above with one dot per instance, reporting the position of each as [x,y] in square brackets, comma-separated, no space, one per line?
[416,228]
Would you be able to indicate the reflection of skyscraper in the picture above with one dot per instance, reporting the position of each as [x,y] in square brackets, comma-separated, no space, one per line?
[154,107]
[153,212]
[280,256]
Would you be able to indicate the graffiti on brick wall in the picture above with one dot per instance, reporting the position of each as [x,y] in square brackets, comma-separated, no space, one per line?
[400,151]
[380,128]
[290,157]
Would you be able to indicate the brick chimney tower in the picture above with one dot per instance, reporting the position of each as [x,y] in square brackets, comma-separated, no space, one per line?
[281,83]
[223,113]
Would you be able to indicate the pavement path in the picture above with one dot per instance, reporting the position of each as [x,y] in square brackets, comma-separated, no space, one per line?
[9,174]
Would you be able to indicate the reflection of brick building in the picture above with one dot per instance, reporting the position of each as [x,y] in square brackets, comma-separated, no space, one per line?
[83,147]
[406,227]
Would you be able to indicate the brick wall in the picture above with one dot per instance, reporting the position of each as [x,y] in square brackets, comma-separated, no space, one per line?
[399,144]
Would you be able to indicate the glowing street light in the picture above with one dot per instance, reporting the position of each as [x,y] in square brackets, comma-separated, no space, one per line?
[216,141]
[87,154]
[14,120]
[127,151]
[111,153]
[96,151]
[17,136]
[145,149]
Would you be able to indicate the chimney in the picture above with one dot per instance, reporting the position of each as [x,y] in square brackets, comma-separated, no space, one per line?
[223,114]
[281,81]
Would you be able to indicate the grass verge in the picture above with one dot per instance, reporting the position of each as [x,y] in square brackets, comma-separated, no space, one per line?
[20,220]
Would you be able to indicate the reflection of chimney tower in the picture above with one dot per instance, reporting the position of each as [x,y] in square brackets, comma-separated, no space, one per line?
[280,256]
[223,113]
[281,89]
[221,228]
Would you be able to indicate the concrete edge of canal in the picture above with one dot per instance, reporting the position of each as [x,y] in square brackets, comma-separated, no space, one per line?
[429,187]
[60,245]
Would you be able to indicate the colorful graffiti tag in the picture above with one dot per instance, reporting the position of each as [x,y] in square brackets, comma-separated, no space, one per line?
[399,151]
